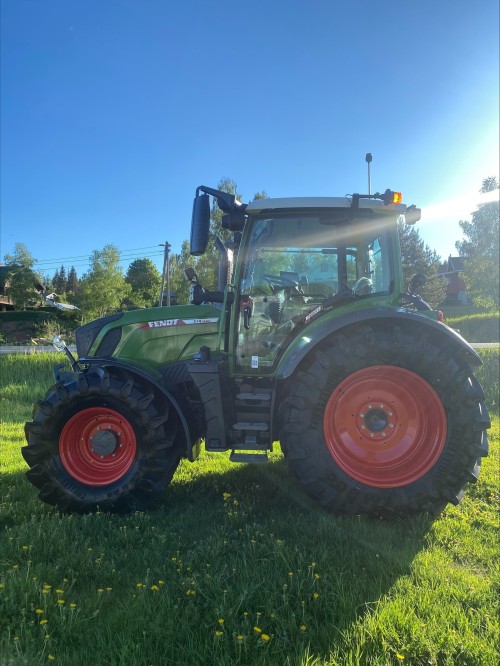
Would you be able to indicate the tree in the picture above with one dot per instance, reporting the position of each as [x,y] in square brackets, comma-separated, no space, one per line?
[417,257]
[103,289]
[145,281]
[21,279]
[72,284]
[480,250]
[60,281]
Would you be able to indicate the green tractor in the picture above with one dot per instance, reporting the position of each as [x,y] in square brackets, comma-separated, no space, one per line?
[309,341]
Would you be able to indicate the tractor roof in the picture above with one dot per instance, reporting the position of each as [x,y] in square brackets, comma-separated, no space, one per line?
[260,205]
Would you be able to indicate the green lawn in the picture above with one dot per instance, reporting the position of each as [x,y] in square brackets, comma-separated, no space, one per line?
[234,565]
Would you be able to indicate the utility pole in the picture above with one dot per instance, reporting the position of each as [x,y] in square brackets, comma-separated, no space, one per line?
[166,271]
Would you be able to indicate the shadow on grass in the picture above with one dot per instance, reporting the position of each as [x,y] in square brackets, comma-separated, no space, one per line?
[248,538]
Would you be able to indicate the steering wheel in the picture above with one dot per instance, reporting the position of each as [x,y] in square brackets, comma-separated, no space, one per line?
[278,282]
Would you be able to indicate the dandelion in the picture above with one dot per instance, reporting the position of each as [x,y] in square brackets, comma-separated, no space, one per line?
[45,591]
[219,634]
[161,582]
[100,590]
[155,588]
[313,564]
[221,620]
[16,638]
[59,591]
[239,637]
[317,576]
[258,630]
[108,589]
[61,602]
[303,627]
[399,656]
[245,613]
[226,496]
[72,605]
[290,573]
[50,657]
[315,595]
[47,587]
[265,637]
[43,621]
[39,611]
[24,547]
[138,584]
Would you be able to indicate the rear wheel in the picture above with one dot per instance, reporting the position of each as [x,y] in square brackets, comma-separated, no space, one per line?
[385,422]
[102,441]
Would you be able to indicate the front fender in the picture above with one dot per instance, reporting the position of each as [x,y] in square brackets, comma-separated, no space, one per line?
[191,447]
[325,326]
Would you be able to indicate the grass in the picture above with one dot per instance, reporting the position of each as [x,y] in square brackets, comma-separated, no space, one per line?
[234,565]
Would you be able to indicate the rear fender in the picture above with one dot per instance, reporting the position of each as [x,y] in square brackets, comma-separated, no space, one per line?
[191,443]
[323,328]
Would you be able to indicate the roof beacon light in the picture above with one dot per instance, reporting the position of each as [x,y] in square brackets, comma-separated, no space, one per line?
[390,197]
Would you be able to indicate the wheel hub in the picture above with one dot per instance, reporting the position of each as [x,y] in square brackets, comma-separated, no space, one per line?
[104,442]
[376,421]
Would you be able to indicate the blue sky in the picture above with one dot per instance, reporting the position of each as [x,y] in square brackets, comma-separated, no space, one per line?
[114,111]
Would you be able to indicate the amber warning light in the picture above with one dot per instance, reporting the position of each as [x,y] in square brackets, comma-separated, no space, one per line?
[390,197]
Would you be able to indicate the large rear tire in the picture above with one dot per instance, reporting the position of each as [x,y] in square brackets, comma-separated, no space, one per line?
[385,422]
[103,441]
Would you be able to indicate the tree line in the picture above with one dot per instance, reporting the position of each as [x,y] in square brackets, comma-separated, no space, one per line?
[105,288]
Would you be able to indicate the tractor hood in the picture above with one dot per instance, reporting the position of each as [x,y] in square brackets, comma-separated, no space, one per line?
[150,337]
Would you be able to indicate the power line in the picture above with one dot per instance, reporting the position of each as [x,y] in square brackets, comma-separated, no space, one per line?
[86,256]
[80,264]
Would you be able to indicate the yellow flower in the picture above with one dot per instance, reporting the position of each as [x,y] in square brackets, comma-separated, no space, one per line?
[108,589]
[138,584]
[60,591]
[315,595]
[24,547]
[50,657]
[39,611]
[399,656]
[317,576]
[154,588]
[72,605]
[220,620]
[47,587]
[100,590]
[161,582]
[226,496]
[61,602]
[303,627]
[265,637]
[219,634]
[45,591]
[313,564]
[239,637]
[258,630]
[43,621]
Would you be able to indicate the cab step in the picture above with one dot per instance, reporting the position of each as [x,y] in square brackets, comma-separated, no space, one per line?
[258,458]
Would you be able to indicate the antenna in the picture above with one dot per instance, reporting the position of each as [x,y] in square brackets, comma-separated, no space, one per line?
[368,159]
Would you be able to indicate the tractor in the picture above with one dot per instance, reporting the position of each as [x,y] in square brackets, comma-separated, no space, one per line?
[310,340]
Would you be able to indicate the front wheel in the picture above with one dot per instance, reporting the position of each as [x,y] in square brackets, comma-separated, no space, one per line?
[383,422]
[102,441]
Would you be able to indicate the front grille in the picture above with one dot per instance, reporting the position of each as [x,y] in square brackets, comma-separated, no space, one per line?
[86,334]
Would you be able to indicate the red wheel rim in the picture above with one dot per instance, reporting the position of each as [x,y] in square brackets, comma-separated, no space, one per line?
[97,446]
[385,426]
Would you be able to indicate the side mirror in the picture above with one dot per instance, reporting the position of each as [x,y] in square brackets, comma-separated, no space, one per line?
[417,281]
[200,224]
[412,214]
[190,274]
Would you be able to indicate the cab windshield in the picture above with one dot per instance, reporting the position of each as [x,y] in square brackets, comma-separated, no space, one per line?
[295,263]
